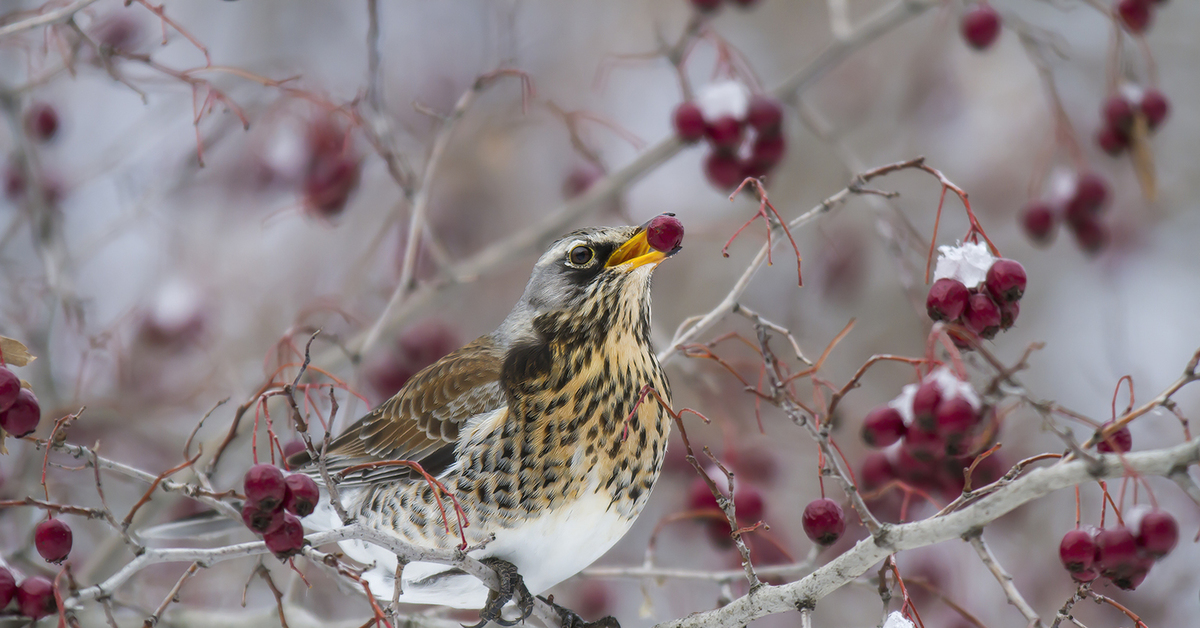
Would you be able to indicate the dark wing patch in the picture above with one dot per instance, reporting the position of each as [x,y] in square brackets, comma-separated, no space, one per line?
[420,423]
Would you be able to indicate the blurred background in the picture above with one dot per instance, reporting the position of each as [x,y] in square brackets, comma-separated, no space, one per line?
[206,198]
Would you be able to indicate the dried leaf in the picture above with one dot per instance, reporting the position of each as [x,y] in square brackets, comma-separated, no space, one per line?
[15,353]
[1143,157]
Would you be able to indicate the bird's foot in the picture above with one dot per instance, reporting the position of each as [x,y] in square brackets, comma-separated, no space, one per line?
[512,588]
[571,619]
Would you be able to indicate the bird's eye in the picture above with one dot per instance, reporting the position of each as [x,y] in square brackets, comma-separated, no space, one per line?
[580,255]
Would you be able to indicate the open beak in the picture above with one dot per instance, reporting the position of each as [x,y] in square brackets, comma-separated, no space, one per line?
[636,252]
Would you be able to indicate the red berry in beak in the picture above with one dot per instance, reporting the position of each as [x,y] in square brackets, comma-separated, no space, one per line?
[664,233]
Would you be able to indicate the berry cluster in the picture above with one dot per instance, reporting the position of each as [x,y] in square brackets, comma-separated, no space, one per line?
[35,595]
[1136,15]
[975,289]
[1120,112]
[722,114]
[275,504]
[1122,554]
[981,26]
[1077,199]
[19,409]
[709,6]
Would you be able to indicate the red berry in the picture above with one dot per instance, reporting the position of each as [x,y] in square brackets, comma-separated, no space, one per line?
[706,6]
[1136,14]
[947,299]
[1009,313]
[981,26]
[768,150]
[1116,552]
[748,503]
[882,427]
[1157,533]
[688,122]
[1134,576]
[1006,280]
[10,385]
[724,170]
[8,587]
[287,539]
[22,416]
[35,597]
[925,402]
[1118,112]
[1119,441]
[982,315]
[118,32]
[955,417]
[664,233]
[1077,550]
[1112,140]
[725,133]
[823,521]
[265,486]
[302,495]
[1091,191]
[1092,235]
[1155,107]
[765,115]
[261,521]
[876,471]
[1086,575]
[53,539]
[293,448]
[1040,222]
[41,122]
[700,496]
[924,445]
[329,182]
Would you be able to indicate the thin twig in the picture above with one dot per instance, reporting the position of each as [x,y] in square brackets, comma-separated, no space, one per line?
[1006,581]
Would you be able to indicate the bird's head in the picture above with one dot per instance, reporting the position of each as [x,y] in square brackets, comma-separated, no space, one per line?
[594,273]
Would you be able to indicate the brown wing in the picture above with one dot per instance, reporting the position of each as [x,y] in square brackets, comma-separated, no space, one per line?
[421,422]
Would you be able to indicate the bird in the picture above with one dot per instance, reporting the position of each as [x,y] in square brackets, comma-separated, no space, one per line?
[542,430]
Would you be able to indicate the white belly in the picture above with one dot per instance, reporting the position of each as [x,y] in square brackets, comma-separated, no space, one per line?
[545,550]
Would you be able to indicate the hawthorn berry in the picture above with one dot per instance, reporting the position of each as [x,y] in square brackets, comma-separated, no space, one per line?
[1155,107]
[10,385]
[53,538]
[1091,192]
[329,182]
[1006,281]
[1092,235]
[35,597]
[1157,533]
[981,26]
[302,495]
[765,115]
[1040,222]
[924,445]
[1119,441]
[882,427]
[688,122]
[1008,314]
[982,315]
[823,521]
[1077,550]
[955,417]
[41,122]
[925,403]
[261,521]
[1086,575]
[293,448]
[1116,552]
[8,587]
[725,133]
[876,471]
[664,233]
[22,416]
[264,486]
[1118,112]
[768,151]
[1136,14]
[723,170]
[287,539]
[748,502]
[947,300]
[1112,140]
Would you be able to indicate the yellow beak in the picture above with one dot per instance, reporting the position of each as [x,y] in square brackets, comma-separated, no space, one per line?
[634,253]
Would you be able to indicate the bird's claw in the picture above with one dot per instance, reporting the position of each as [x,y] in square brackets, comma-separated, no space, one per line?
[571,619]
[512,588]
